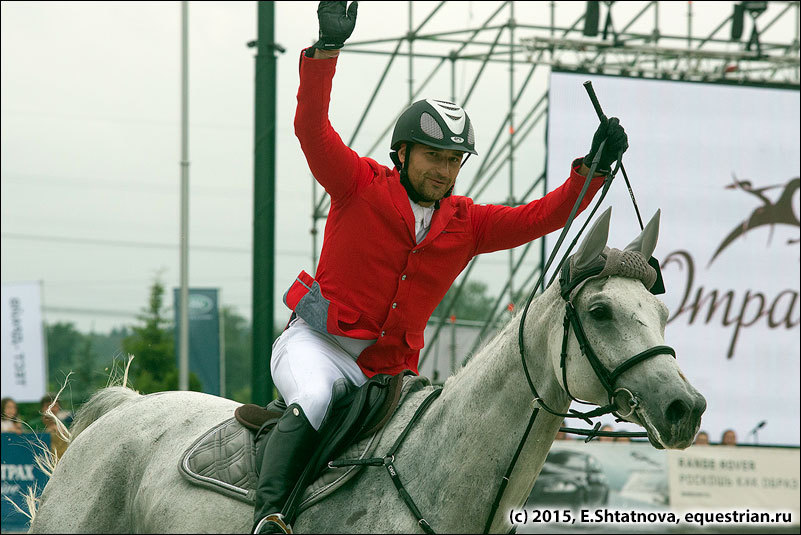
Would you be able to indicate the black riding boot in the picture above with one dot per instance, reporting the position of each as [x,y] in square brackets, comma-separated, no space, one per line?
[284,457]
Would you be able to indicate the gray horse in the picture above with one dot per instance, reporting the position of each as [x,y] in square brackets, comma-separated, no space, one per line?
[120,472]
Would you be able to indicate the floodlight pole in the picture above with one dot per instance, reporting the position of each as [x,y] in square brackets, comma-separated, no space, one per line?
[264,204]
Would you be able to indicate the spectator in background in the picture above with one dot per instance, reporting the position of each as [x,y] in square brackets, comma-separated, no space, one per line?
[607,427]
[622,439]
[11,421]
[702,439]
[561,435]
[58,443]
[729,438]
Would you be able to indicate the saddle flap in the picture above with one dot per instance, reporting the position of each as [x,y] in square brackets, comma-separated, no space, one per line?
[224,458]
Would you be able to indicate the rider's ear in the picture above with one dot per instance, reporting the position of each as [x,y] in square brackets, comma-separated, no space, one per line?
[645,243]
[593,245]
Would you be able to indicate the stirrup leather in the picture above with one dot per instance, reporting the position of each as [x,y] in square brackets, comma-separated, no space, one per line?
[277,519]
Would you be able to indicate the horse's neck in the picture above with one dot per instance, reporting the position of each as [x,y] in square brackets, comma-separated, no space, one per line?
[484,409]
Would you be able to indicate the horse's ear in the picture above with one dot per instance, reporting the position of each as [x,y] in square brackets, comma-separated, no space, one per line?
[645,243]
[593,245]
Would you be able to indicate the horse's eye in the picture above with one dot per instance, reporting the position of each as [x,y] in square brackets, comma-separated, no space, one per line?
[601,312]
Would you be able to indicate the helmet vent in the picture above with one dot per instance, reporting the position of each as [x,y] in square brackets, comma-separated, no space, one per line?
[471,138]
[430,127]
[447,105]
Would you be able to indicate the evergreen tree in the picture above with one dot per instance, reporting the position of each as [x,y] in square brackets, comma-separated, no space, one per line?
[63,343]
[238,365]
[153,345]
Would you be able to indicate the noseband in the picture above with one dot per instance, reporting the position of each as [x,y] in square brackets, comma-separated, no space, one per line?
[570,283]
[605,377]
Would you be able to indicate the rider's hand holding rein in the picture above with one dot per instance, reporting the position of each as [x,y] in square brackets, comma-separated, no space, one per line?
[616,144]
[336,25]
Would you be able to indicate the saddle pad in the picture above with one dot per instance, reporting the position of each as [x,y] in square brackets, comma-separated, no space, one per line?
[224,458]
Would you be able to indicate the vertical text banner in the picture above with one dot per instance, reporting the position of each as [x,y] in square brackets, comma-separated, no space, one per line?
[722,163]
[23,358]
[204,336]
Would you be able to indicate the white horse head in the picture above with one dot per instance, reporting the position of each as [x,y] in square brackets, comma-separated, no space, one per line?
[622,318]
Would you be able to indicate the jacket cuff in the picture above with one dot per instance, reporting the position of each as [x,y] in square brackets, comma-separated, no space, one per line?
[576,165]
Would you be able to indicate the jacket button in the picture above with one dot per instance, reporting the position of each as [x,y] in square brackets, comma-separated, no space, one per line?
[383,333]
[394,305]
[403,278]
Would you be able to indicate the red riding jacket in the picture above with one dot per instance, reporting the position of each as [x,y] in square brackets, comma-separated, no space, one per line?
[373,280]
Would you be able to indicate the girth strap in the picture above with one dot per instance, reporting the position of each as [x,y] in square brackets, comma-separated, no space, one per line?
[389,462]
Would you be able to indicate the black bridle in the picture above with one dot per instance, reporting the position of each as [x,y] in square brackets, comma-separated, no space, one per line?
[606,378]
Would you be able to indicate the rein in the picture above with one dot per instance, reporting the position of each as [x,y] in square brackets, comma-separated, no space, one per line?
[606,378]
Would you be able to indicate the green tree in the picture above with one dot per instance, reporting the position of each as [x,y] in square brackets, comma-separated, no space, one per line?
[63,343]
[473,302]
[84,379]
[237,333]
[153,345]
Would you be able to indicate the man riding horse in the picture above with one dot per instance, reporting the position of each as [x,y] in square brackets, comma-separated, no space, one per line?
[395,240]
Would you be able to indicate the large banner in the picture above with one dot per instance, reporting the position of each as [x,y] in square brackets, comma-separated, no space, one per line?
[204,336]
[722,162]
[715,477]
[20,475]
[23,358]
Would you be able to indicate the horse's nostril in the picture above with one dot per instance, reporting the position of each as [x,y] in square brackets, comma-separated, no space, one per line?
[676,411]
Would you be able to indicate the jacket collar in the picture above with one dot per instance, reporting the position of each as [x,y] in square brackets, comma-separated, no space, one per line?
[401,201]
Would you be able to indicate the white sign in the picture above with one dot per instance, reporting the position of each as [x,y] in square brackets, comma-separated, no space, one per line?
[719,477]
[23,358]
[722,162]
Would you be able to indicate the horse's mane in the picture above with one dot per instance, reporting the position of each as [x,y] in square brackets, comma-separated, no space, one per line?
[99,404]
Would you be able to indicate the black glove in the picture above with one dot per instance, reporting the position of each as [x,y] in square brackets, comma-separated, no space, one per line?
[335,24]
[616,143]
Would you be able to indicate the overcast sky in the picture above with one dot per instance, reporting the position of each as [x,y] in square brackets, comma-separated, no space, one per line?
[91,138]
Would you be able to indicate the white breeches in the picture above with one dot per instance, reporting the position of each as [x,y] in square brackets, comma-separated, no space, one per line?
[306,363]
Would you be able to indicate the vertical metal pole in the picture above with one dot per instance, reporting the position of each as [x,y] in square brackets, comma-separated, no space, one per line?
[511,137]
[656,32]
[411,58]
[264,205]
[689,24]
[453,77]
[183,342]
[313,230]
[797,22]
[543,254]
[512,200]
[222,344]
[453,345]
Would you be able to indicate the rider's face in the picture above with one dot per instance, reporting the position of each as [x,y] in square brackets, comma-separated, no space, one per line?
[432,171]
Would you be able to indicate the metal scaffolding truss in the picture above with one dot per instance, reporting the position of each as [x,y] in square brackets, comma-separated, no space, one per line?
[649,44]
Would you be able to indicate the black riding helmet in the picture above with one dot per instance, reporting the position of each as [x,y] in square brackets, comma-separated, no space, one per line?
[436,123]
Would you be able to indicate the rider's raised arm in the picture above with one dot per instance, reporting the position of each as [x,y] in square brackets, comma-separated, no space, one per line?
[499,227]
[334,165]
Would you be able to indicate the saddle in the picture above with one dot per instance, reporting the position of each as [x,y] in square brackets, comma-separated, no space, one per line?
[226,458]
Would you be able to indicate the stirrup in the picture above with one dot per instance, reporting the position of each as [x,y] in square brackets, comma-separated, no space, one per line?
[271,523]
